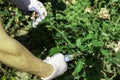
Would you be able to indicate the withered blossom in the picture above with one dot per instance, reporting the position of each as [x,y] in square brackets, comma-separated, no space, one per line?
[117,47]
[104,13]
[87,10]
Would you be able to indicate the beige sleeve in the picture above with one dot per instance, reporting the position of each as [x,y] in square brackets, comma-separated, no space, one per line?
[15,55]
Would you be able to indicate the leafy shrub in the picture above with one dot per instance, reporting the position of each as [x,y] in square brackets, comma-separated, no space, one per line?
[89,27]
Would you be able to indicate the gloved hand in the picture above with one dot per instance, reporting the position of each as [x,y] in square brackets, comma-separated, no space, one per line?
[39,8]
[59,64]
[32,5]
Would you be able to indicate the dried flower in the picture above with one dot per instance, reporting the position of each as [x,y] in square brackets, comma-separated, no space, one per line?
[34,16]
[67,1]
[73,1]
[87,10]
[70,1]
[117,47]
[104,13]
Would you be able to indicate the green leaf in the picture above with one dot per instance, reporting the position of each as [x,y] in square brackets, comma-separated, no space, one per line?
[116,59]
[96,43]
[88,37]
[3,13]
[82,48]
[83,16]
[55,50]
[114,0]
[78,67]
[13,78]
[106,53]
[4,78]
[78,42]
[117,55]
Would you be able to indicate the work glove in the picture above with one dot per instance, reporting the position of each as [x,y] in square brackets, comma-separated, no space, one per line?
[59,64]
[32,5]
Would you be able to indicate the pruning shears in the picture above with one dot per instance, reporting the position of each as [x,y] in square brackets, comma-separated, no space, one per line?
[72,56]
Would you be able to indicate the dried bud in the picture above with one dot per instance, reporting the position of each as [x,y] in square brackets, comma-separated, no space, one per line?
[87,10]
[34,16]
[104,13]
[117,47]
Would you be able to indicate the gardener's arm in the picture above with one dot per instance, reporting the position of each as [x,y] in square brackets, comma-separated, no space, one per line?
[31,5]
[15,55]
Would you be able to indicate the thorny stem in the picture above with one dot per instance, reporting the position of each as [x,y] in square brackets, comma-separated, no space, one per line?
[64,36]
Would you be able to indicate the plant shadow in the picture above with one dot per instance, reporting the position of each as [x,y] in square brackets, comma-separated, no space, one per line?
[38,40]
[93,70]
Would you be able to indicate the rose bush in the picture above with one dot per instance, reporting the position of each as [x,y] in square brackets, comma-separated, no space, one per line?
[88,27]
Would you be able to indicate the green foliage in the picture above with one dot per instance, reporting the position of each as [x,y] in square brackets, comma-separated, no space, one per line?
[78,68]
[70,28]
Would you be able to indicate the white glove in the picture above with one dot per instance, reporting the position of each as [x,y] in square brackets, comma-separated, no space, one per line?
[32,5]
[59,64]
[39,8]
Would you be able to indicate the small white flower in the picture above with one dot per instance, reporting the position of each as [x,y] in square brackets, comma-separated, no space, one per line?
[104,13]
[87,10]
